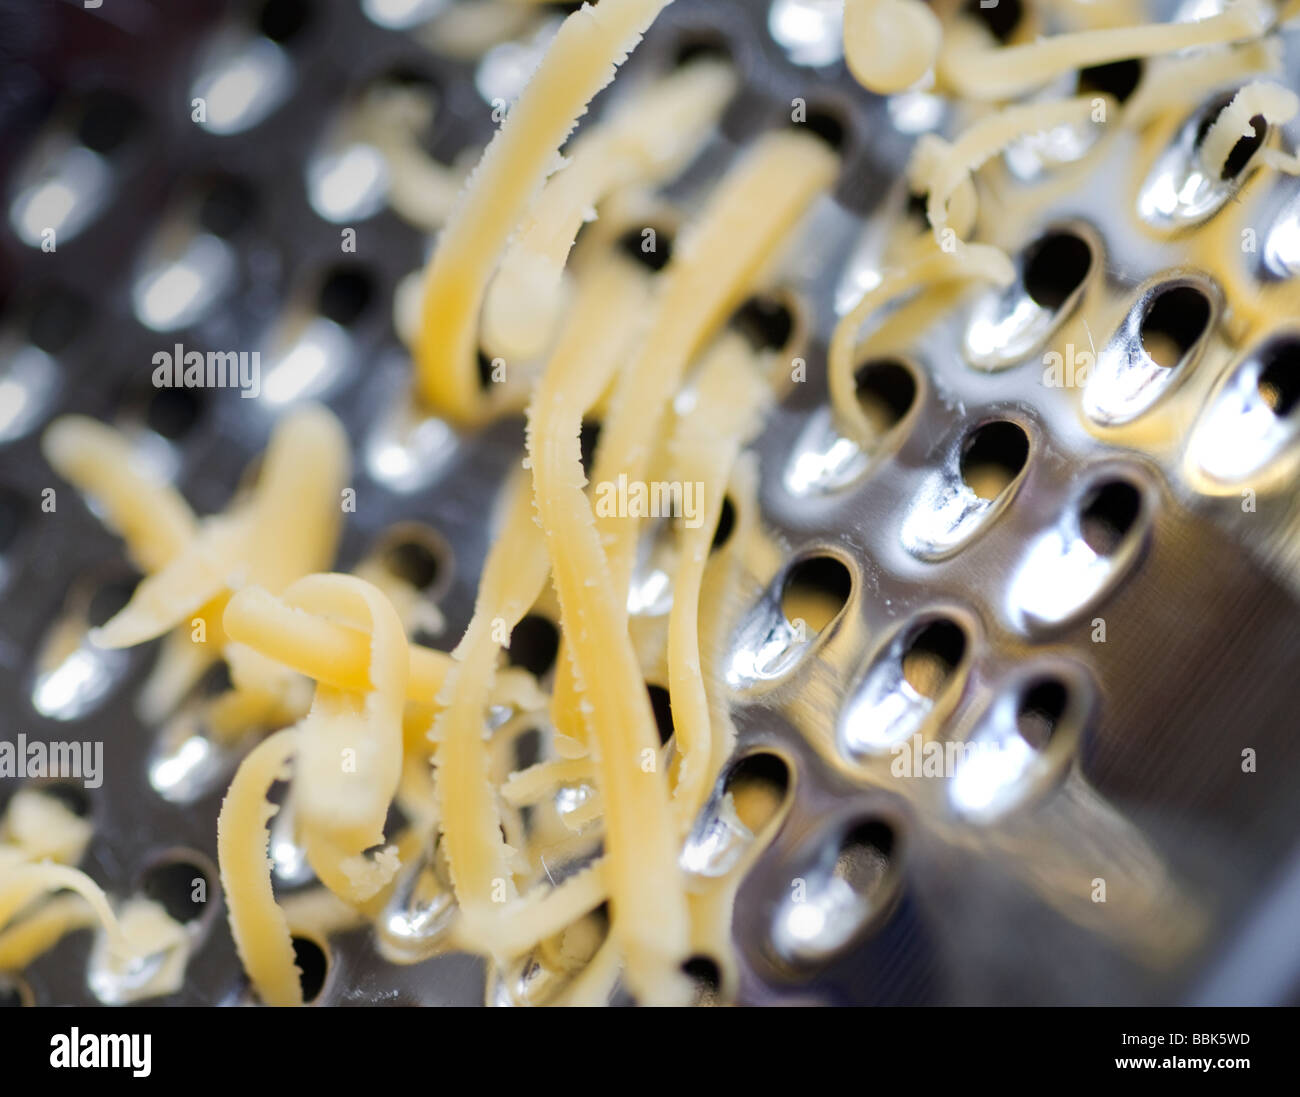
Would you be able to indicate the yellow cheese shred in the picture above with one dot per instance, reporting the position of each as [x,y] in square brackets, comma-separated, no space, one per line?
[257,924]
[1274,103]
[978,71]
[890,45]
[581,60]
[646,140]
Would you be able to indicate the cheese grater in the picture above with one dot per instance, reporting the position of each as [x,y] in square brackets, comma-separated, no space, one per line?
[1135,842]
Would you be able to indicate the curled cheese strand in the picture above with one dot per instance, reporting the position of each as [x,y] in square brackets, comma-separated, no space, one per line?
[477,856]
[890,45]
[643,878]
[943,169]
[730,398]
[646,140]
[350,754]
[1004,72]
[33,936]
[258,925]
[1273,102]
[146,511]
[748,219]
[592,345]
[21,884]
[581,60]
[975,261]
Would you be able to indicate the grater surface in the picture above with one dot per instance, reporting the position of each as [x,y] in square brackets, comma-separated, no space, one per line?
[1201,625]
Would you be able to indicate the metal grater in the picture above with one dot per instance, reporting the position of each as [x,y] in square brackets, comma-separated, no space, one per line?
[916,899]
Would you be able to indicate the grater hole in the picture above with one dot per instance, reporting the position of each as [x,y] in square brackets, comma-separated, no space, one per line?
[109,598]
[226,206]
[1055,266]
[826,123]
[815,591]
[1245,148]
[173,412]
[415,559]
[758,784]
[344,295]
[992,456]
[57,317]
[108,121]
[13,516]
[915,209]
[527,748]
[701,45]
[313,963]
[1108,513]
[726,524]
[865,856]
[1000,18]
[766,323]
[283,20]
[649,246]
[932,655]
[706,977]
[1116,78]
[588,436]
[73,797]
[533,644]
[886,391]
[662,707]
[15,992]
[1174,321]
[1042,705]
[1279,377]
[179,885]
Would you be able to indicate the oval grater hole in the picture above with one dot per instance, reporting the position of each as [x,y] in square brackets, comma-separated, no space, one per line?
[662,707]
[650,246]
[815,591]
[827,123]
[767,323]
[313,960]
[527,748]
[992,456]
[108,121]
[345,294]
[726,524]
[533,644]
[833,900]
[226,205]
[1043,704]
[15,992]
[1116,78]
[1108,513]
[284,20]
[1000,18]
[72,796]
[588,437]
[1245,148]
[1279,376]
[57,316]
[179,884]
[706,979]
[174,412]
[886,390]
[109,597]
[701,44]
[758,785]
[13,517]
[416,555]
[1055,266]
[932,655]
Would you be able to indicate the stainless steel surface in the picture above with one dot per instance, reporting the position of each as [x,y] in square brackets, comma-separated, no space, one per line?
[977,887]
